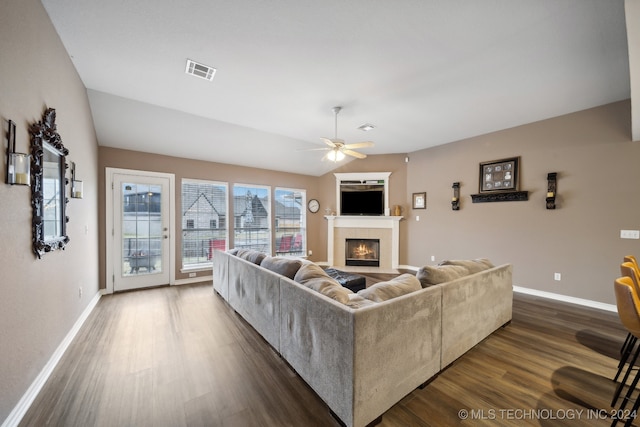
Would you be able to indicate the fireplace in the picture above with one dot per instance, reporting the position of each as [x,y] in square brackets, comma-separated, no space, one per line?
[384,228]
[362,252]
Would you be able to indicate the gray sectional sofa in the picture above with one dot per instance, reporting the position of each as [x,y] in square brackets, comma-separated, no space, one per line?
[362,357]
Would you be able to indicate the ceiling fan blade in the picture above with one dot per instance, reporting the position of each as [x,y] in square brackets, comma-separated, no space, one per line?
[354,154]
[329,142]
[359,144]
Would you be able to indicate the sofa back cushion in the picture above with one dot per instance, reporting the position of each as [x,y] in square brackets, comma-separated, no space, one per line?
[251,255]
[430,275]
[309,270]
[287,267]
[314,277]
[473,265]
[383,291]
[330,288]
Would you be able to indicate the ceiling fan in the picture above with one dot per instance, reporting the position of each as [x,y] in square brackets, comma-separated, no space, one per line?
[337,149]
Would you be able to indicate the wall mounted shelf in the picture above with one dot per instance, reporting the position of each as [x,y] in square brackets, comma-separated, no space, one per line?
[506,196]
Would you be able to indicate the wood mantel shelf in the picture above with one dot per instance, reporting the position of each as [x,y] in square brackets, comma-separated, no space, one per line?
[505,196]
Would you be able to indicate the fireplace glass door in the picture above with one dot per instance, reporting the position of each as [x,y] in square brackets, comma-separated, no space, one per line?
[362,252]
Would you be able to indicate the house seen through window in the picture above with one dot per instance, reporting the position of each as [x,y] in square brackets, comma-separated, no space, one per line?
[290,222]
[204,221]
[252,220]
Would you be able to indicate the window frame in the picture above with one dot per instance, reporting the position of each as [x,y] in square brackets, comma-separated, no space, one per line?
[278,244]
[267,247]
[202,265]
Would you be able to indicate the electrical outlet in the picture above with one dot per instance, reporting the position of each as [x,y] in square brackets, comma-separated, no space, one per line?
[192,274]
[80,292]
[433,257]
[630,234]
[417,217]
[557,276]
[310,252]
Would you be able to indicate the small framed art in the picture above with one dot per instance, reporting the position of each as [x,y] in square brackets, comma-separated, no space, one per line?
[419,200]
[499,175]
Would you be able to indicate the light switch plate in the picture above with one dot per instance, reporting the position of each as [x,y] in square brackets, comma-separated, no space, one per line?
[630,234]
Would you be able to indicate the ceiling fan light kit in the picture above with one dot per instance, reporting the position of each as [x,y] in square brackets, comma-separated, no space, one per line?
[335,155]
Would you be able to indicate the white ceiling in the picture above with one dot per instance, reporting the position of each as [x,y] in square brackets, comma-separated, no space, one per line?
[423,72]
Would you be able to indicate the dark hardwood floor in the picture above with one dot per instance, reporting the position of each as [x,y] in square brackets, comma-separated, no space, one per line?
[180,356]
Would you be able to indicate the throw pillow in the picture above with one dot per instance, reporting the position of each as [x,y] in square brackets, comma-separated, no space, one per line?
[287,267]
[473,265]
[383,291]
[251,255]
[433,275]
[309,271]
[330,288]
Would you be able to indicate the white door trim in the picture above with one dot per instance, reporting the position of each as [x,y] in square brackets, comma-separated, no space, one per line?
[109,223]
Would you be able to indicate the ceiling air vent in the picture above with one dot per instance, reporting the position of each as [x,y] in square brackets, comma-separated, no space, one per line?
[200,70]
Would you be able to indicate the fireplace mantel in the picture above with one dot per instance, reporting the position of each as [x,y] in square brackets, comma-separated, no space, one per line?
[386,228]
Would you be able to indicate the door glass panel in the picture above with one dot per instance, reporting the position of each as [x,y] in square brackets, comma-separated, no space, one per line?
[142,231]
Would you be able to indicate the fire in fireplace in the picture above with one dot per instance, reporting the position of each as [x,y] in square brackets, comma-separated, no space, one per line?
[362,252]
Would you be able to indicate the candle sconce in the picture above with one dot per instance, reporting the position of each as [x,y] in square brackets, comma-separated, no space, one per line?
[76,185]
[18,164]
[455,200]
[551,190]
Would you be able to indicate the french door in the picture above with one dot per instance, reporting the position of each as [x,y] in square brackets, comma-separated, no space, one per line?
[139,229]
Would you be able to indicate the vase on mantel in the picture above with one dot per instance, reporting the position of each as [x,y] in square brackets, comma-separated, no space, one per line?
[396,210]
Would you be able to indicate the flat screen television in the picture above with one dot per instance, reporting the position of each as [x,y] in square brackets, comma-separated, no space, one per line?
[362,200]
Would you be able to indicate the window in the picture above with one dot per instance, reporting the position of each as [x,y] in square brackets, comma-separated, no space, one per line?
[252,220]
[290,221]
[204,221]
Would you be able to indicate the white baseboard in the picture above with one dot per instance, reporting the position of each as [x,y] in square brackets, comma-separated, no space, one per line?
[30,395]
[193,280]
[565,298]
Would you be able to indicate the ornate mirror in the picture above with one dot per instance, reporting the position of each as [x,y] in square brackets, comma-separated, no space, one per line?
[48,185]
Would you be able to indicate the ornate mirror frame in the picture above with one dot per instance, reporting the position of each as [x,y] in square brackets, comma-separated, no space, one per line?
[48,186]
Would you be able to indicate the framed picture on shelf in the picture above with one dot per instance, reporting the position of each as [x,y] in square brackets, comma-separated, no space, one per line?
[419,200]
[499,175]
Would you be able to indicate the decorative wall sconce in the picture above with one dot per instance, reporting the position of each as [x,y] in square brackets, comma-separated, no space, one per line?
[455,200]
[18,164]
[76,185]
[551,190]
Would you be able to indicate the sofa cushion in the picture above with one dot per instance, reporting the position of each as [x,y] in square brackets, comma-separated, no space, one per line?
[382,291]
[473,265]
[357,301]
[330,288]
[287,267]
[308,271]
[432,275]
[251,255]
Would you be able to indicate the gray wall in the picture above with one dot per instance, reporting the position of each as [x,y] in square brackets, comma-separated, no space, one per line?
[598,176]
[40,300]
